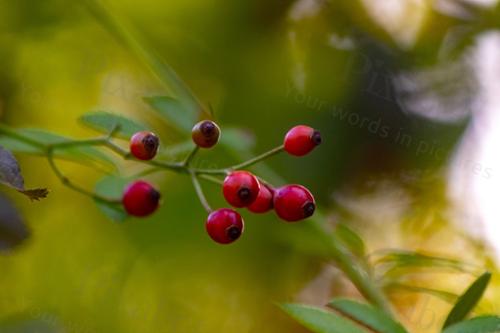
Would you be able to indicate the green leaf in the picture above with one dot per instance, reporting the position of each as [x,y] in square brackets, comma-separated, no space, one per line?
[368,315]
[351,239]
[10,175]
[397,260]
[173,112]
[468,300]
[321,321]
[34,142]
[105,122]
[486,324]
[441,294]
[112,187]
[237,139]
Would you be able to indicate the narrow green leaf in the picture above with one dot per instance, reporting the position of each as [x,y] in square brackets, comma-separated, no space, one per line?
[112,187]
[104,122]
[173,112]
[487,324]
[441,294]
[132,40]
[351,239]
[34,141]
[399,262]
[368,315]
[468,300]
[321,321]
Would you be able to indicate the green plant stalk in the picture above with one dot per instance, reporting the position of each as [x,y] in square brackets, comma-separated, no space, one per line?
[352,267]
[199,192]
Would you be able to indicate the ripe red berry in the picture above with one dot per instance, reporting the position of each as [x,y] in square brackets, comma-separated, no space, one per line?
[294,203]
[144,145]
[224,225]
[205,134]
[301,140]
[240,188]
[140,199]
[264,201]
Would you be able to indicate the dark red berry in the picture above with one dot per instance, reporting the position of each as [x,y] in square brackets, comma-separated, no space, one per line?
[301,140]
[240,188]
[144,145]
[264,201]
[140,199]
[294,203]
[205,134]
[224,225]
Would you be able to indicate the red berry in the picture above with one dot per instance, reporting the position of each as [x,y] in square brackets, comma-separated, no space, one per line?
[224,225]
[205,134]
[294,203]
[264,201]
[301,140]
[144,145]
[240,188]
[140,199]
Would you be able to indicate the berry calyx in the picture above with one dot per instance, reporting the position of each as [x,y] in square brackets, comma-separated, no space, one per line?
[294,203]
[301,140]
[224,225]
[140,199]
[264,201]
[205,134]
[240,188]
[144,145]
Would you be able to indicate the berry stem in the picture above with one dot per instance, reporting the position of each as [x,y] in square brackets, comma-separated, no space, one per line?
[190,157]
[68,183]
[199,192]
[242,165]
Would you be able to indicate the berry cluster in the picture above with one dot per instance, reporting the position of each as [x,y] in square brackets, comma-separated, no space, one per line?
[240,188]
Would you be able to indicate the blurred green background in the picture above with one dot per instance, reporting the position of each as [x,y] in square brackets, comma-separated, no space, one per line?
[264,66]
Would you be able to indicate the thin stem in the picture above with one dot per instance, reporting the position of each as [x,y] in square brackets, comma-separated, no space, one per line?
[13,134]
[358,275]
[199,192]
[212,179]
[190,157]
[68,183]
[243,165]
[259,158]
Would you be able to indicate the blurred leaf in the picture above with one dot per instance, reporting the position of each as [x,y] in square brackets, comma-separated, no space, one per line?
[237,139]
[351,239]
[112,187]
[34,142]
[368,315]
[468,300]
[10,175]
[405,259]
[321,321]
[441,294]
[487,324]
[13,230]
[171,151]
[105,122]
[173,112]
[125,34]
